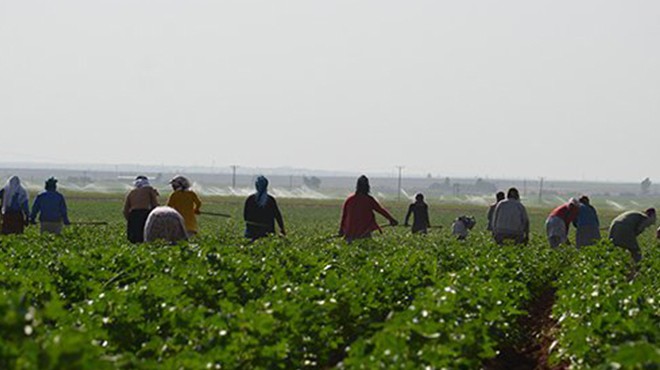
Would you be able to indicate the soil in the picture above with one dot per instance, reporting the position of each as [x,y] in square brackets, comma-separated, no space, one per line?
[539,330]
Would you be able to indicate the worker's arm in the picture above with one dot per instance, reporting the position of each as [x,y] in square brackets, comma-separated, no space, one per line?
[197,204]
[342,222]
[153,195]
[278,217]
[64,212]
[127,206]
[410,211]
[378,208]
[36,208]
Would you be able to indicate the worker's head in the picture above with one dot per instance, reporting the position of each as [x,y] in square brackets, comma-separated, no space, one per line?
[585,200]
[650,213]
[261,184]
[513,194]
[14,181]
[419,197]
[180,183]
[362,186]
[51,184]
[141,181]
[469,222]
[499,196]
[573,203]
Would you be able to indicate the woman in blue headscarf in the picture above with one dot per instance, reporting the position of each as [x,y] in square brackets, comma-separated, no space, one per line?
[261,212]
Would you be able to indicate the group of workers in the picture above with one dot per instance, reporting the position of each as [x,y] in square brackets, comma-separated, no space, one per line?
[508,220]
[147,221]
[49,206]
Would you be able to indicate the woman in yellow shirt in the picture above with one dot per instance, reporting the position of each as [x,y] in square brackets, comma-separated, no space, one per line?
[186,202]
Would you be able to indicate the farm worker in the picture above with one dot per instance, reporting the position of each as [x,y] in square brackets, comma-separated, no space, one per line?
[51,208]
[462,226]
[420,212]
[15,209]
[559,220]
[510,220]
[137,206]
[491,210]
[261,211]
[625,228]
[186,202]
[165,223]
[586,225]
[357,218]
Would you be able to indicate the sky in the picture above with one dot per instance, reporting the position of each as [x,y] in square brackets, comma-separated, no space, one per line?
[524,89]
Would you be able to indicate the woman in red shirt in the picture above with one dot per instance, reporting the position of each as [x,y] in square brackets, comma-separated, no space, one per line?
[358,219]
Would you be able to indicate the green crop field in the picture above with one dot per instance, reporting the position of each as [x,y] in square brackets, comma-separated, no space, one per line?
[90,300]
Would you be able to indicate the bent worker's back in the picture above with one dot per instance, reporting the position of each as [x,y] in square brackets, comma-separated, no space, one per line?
[165,223]
[510,217]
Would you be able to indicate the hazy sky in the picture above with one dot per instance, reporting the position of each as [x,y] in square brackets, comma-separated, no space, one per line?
[561,89]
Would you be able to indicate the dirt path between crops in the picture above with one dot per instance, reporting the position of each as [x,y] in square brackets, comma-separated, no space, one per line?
[539,328]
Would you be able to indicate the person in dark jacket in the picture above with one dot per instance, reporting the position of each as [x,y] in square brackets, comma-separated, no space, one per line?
[420,212]
[50,206]
[261,212]
[491,210]
[15,208]
[587,225]
[625,228]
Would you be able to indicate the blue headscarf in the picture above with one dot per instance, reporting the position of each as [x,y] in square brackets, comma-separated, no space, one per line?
[262,191]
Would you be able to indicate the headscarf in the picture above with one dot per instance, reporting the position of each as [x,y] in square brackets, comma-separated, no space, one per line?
[362,186]
[13,189]
[51,184]
[141,181]
[262,191]
[180,183]
[574,202]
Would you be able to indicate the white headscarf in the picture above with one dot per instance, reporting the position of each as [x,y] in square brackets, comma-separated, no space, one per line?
[141,182]
[11,189]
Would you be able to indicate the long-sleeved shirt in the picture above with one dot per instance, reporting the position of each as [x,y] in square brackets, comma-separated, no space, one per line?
[587,217]
[260,221]
[14,206]
[187,203]
[358,219]
[630,224]
[420,213]
[489,216]
[567,213]
[510,217]
[51,207]
[140,198]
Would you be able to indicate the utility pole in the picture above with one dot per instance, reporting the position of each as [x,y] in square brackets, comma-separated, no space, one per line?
[541,190]
[233,176]
[399,192]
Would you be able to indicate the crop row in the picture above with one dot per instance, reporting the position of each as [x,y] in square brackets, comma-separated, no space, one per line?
[608,310]
[90,300]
